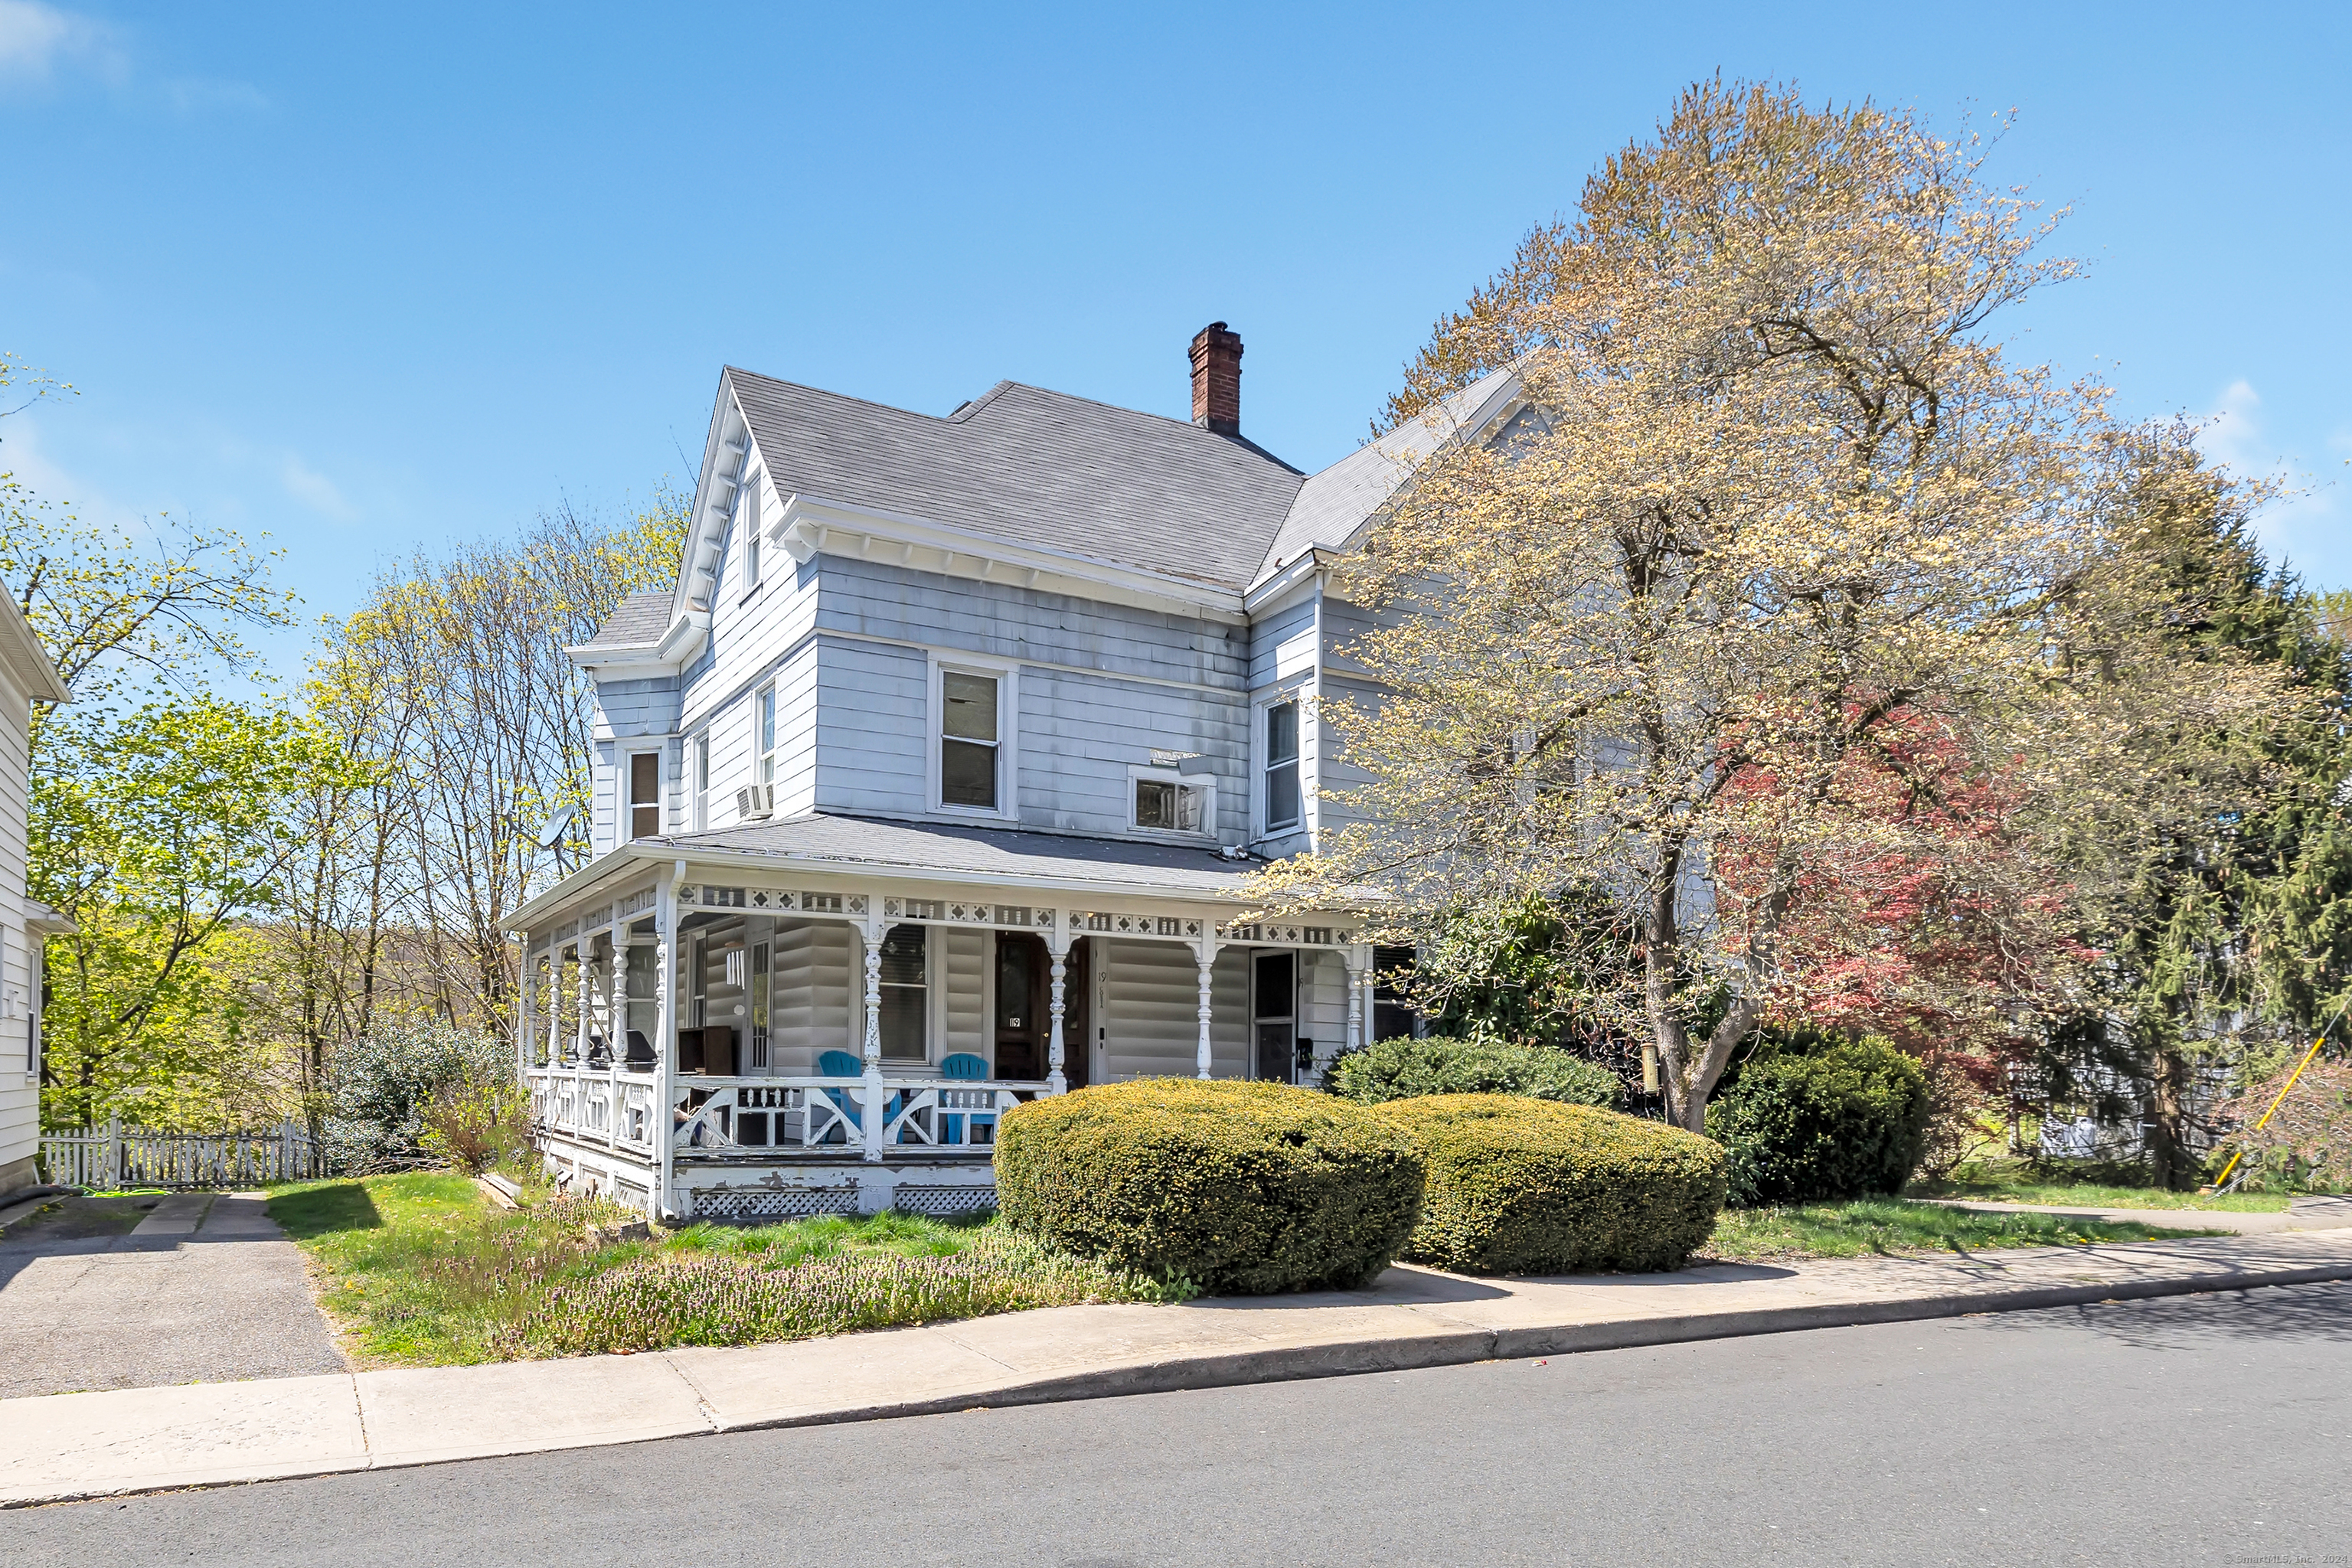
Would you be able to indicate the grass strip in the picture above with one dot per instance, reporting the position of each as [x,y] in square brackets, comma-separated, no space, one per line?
[422,1269]
[1869,1226]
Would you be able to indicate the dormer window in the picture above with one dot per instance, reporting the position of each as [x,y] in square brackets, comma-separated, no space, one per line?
[968,744]
[1283,803]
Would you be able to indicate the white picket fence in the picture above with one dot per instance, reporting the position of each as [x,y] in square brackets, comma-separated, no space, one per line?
[122,1157]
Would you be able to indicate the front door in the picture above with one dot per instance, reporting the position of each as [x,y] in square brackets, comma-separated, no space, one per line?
[1021,996]
[1274,1013]
[1077,1017]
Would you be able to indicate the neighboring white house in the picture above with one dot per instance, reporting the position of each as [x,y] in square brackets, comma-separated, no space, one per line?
[27,676]
[926,788]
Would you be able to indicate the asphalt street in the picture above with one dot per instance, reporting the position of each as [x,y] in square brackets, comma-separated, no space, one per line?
[2204,1429]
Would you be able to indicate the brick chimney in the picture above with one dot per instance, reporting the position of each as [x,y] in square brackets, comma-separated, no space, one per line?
[1217,379]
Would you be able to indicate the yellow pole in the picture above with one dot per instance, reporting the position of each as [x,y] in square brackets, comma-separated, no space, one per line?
[2222,1179]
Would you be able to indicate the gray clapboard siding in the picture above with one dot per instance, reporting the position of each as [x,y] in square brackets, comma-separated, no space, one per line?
[1323,1005]
[1268,633]
[809,1007]
[1080,735]
[1005,622]
[871,737]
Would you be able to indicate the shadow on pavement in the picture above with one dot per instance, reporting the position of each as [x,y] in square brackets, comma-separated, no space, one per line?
[2308,1312]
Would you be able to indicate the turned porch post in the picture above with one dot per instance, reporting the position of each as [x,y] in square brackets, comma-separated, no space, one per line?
[1057,947]
[616,1025]
[1205,955]
[526,1011]
[870,1113]
[665,1118]
[584,988]
[554,1004]
[1354,959]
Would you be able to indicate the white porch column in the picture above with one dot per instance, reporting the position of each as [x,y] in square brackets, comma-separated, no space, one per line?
[665,1117]
[616,1026]
[585,988]
[1205,955]
[1058,948]
[1354,958]
[526,1008]
[870,1118]
[554,1004]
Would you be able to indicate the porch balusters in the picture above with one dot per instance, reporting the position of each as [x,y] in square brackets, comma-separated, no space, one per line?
[1057,1082]
[870,1113]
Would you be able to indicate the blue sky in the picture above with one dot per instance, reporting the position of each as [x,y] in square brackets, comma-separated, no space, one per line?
[364,279]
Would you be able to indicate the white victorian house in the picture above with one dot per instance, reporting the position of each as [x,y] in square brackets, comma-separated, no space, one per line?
[27,676]
[930,786]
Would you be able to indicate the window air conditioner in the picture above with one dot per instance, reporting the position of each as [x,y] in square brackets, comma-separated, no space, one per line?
[755,800]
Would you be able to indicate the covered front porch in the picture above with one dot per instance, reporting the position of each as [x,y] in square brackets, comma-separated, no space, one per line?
[833,1015]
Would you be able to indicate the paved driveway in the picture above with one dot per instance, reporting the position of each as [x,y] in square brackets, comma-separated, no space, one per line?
[193,1288]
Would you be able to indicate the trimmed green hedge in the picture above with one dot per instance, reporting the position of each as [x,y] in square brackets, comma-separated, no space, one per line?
[1243,1188]
[1405,1069]
[1528,1186]
[1843,1120]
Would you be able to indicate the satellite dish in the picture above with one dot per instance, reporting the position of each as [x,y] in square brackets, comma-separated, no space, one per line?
[553,834]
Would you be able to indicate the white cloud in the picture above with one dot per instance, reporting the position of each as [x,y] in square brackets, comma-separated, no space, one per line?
[2297,522]
[315,490]
[40,43]
[37,38]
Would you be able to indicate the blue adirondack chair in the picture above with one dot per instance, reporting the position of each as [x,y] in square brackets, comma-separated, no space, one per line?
[964,1066]
[839,1064]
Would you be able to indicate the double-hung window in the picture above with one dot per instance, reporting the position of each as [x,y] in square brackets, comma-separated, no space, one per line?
[1283,804]
[702,766]
[767,735]
[749,516]
[644,794]
[906,994]
[969,745]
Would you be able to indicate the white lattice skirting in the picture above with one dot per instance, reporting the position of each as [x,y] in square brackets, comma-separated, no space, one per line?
[945,1200]
[760,1203]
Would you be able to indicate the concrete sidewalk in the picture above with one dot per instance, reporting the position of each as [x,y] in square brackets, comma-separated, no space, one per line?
[89,1445]
[2302,1214]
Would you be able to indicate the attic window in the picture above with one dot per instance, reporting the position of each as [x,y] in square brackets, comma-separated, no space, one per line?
[1169,806]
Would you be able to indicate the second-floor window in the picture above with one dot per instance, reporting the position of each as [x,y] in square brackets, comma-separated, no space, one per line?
[765,736]
[644,794]
[967,740]
[1283,806]
[701,765]
[750,511]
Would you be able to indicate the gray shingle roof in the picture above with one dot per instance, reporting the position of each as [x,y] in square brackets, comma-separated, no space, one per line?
[1331,505]
[1035,468]
[946,849]
[638,621]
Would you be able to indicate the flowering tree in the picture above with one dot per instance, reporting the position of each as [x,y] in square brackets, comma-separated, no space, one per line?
[1783,509]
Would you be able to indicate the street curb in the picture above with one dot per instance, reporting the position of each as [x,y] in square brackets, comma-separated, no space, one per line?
[1337,1359]
[1352,1358]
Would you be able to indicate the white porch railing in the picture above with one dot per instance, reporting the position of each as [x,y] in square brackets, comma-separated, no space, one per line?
[823,1115]
[120,1156]
[607,1107]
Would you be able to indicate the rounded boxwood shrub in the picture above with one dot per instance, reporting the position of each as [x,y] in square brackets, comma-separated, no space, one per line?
[1241,1187]
[1404,1069]
[1841,1121]
[1530,1186]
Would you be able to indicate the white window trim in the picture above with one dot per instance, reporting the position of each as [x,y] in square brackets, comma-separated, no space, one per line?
[772,690]
[697,781]
[628,818]
[1205,783]
[749,508]
[1274,698]
[1006,674]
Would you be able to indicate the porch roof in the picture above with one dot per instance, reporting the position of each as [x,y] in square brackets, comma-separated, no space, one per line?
[1015,857]
[959,850]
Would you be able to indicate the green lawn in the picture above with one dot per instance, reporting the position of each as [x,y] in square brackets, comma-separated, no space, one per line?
[423,1269]
[1869,1226]
[2020,1181]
